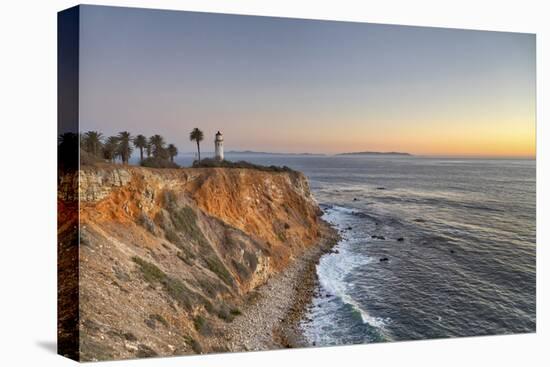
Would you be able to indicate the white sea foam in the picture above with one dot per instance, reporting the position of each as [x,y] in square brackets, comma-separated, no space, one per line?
[334,268]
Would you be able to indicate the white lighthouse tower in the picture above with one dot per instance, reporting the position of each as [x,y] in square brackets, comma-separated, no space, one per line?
[219,146]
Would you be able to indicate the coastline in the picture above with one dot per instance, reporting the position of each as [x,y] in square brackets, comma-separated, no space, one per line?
[272,319]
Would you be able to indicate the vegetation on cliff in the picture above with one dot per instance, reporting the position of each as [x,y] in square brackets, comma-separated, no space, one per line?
[211,163]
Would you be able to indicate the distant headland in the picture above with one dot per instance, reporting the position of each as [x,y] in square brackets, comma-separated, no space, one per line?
[268,153]
[377,153]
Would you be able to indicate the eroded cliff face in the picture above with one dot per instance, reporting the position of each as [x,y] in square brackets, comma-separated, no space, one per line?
[168,256]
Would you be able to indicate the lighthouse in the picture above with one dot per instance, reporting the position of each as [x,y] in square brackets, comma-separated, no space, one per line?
[218,142]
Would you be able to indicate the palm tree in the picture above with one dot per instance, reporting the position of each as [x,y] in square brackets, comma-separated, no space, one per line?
[198,136]
[124,146]
[110,148]
[140,142]
[67,151]
[148,149]
[92,142]
[158,146]
[172,152]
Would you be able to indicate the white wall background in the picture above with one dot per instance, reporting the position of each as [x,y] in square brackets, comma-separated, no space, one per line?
[28,181]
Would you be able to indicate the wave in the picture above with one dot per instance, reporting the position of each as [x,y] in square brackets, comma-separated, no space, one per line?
[334,268]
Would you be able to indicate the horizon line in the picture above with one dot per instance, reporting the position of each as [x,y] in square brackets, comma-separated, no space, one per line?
[344,154]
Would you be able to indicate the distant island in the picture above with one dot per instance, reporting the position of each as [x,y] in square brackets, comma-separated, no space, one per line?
[268,153]
[377,153]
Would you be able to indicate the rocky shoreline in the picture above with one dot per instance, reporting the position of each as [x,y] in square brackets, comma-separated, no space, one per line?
[272,319]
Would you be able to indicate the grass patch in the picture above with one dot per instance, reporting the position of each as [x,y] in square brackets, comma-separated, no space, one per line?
[151,273]
[227,313]
[186,256]
[174,287]
[170,199]
[216,266]
[155,162]
[195,345]
[208,306]
[201,325]
[173,237]
[185,221]
[211,286]
[178,291]
[211,163]
[146,222]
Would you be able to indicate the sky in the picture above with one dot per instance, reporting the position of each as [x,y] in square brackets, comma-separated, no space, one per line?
[295,85]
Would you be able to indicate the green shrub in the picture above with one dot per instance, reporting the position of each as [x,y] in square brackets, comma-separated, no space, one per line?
[185,221]
[172,236]
[210,287]
[170,199]
[174,287]
[208,306]
[178,291]
[225,314]
[151,273]
[201,325]
[146,222]
[186,256]
[212,163]
[195,345]
[154,162]
[216,266]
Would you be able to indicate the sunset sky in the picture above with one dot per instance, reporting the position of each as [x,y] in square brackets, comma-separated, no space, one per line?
[290,85]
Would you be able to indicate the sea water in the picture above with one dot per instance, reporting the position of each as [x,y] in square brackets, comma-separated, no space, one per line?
[453,252]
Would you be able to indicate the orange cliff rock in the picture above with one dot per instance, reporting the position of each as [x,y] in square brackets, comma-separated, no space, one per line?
[167,256]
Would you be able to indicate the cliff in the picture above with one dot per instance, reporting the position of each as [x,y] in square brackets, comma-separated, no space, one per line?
[170,256]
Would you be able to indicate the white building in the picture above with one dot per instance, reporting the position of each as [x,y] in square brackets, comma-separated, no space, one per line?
[218,142]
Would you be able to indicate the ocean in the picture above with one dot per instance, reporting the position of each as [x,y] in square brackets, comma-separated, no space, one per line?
[431,247]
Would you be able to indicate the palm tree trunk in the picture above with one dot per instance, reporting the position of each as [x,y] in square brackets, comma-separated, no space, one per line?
[141,154]
[199,149]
